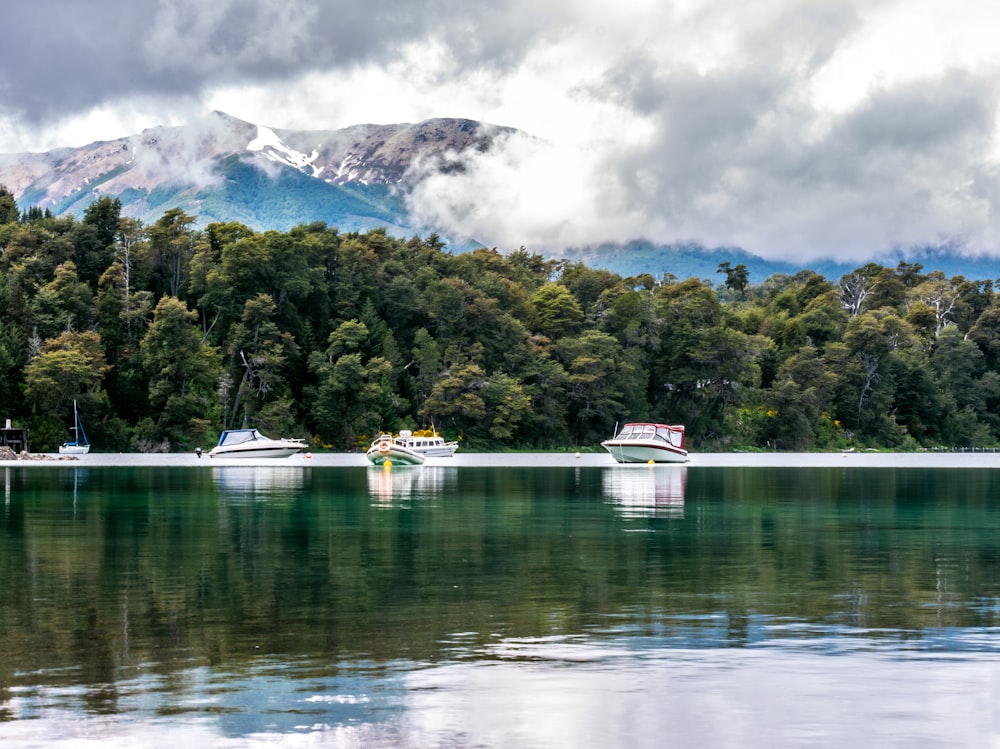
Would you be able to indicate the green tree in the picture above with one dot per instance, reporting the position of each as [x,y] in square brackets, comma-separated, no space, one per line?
[259,351]
[132,260]
[873,341]
[68,367]
[545,381]
[797,400]
[171,245]
[94,238]
[940,297]
[456,398]
[182,371]
[602,384]
[554,311]
[123,320]
[985,333]
[10,376]
[699,362]
[588,285]
[969,415]
[856,288]
[348,400]
[427,362]
[8,206]
[507,406]
[737,278]
[209,283]
[65,303]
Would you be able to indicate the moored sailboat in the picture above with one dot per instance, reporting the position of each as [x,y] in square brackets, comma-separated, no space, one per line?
[80,445]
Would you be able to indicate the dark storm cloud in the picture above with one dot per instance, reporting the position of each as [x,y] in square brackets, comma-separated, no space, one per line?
[63,56]
[741,156]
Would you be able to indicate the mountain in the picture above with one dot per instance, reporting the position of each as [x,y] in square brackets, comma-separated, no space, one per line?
[221,168]
[694,260]
[224,169]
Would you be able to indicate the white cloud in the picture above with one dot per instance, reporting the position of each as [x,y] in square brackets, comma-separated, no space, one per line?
[905,41]
[527,192]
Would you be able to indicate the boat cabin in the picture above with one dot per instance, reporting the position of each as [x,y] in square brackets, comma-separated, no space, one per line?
[671,435]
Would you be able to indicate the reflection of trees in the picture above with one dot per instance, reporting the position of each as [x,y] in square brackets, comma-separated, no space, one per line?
[155,570]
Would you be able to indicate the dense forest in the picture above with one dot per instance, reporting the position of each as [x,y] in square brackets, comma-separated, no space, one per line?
[165,334]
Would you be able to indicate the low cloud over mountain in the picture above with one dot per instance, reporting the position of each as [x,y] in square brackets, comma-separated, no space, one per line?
[223,169]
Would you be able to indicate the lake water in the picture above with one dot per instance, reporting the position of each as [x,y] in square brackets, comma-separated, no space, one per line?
[501,601]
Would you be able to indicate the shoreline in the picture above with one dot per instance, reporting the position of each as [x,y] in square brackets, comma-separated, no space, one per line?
[525,460]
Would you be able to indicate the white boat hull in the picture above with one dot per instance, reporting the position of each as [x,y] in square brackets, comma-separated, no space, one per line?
[440,452]
[396,458]
[634,451]
[74,449]
[258,451]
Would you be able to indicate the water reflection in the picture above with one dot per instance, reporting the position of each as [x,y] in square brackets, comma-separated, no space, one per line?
[646,491]
[249,482]
[389,486]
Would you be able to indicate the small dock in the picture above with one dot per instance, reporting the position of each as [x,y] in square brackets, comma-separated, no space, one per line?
[15,438]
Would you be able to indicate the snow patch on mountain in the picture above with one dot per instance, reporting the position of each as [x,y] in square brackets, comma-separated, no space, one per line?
[270,145]
[350,170]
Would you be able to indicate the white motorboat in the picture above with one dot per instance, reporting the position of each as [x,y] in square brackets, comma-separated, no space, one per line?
[249,443]
[80,445]
[388,449]
[645,442]
[433,446]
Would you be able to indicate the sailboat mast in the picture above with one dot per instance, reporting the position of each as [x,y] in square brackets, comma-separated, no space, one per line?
[79,426]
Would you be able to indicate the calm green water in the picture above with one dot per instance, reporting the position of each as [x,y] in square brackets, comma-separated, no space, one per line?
[499,607]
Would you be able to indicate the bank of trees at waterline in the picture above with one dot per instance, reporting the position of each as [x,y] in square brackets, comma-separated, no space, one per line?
[165,334]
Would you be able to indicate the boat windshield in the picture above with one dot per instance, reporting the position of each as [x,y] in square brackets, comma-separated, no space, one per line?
[637,432]
[240,436]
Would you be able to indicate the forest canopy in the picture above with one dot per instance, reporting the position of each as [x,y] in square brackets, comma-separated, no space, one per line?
[165,334]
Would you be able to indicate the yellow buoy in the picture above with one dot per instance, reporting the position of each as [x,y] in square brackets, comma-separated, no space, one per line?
[651,462]
[388,464]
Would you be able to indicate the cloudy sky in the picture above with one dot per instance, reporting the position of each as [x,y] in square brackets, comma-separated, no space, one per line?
[791,128]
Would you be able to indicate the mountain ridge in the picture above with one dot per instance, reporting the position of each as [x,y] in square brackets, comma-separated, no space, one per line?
[687,260]
[221,168]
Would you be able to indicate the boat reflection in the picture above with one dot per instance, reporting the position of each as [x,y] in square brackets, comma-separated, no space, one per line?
[388,486]
[646,491]
[247,482]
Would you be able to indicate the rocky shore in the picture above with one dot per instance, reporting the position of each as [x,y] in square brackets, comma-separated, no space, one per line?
[7,454]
